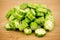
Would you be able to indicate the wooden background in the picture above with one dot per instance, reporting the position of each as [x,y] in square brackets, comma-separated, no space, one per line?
[6,5]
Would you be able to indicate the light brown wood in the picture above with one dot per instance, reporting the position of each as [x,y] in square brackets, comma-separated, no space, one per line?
[6,5]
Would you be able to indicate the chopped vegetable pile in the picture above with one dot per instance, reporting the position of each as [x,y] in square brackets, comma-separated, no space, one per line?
[29,18]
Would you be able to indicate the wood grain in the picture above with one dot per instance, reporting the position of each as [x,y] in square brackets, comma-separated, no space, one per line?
[6,5]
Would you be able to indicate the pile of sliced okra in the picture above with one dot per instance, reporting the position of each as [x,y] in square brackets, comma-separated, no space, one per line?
[30,18]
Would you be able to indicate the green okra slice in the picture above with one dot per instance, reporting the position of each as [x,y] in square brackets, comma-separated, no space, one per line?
[26,20]
[49,17]
[49,22]
[7,26]
[48,25]
[10,12]
[22,26]
[40,32]
[35,6]
[17,16]
[30,16]
[14,24]
[40,21]
[27,31]
[22,12]
[41,10]
[26,10]
[17,8]
[41,6]
[34,25]
[11,18]
[40,14]
[23,6]
[31,5]
[33,12]
[49,11]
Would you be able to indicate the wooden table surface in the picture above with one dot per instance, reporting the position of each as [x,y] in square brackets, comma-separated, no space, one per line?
[6,5]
